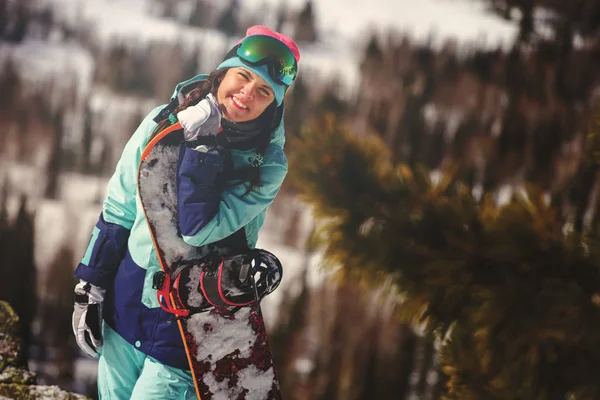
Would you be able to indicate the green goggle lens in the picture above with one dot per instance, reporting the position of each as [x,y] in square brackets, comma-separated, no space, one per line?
[265,50]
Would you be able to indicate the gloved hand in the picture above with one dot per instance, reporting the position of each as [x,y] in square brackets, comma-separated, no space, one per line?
[201,123]
[87,317]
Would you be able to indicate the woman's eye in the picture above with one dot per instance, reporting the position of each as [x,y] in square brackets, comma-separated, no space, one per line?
[244,76]
[265,92]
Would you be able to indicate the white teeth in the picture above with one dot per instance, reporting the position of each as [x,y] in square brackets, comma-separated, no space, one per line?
[236,101]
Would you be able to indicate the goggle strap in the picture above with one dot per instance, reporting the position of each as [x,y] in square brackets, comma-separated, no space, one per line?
[232,53]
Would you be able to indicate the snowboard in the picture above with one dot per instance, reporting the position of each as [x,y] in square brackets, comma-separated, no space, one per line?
[227,347]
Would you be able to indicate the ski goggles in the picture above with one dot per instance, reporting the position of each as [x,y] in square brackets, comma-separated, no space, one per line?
[260,50]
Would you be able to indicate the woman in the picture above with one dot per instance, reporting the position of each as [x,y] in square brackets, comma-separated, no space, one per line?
[230,168]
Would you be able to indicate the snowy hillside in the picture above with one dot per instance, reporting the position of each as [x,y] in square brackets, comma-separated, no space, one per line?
[343,26]
[463,20]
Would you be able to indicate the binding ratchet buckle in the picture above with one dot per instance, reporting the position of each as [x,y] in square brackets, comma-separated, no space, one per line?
[161,281]
[216,281]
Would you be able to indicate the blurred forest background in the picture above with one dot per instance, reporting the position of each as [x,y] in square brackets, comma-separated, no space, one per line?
[455,197]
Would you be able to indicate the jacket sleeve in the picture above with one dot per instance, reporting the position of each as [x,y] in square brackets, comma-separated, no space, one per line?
[108,243]
[234,210]
[198,193]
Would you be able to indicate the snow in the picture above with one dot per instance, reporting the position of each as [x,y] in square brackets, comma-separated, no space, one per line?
[67,220]
[329,63]
[293,262]
[113,106]
[224,335]
[82,189]
[304,366]
[195,299]
[134,23]
[257,381]
[39,62]
[217,337]
[463,20]
[219,389]
[343,26]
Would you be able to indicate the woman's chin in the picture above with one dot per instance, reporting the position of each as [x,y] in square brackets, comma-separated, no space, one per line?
[236,116]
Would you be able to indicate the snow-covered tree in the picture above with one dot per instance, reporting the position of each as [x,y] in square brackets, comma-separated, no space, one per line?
[306,30]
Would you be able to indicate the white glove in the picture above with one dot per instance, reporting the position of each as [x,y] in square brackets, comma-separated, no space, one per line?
[87,317]
[202,119]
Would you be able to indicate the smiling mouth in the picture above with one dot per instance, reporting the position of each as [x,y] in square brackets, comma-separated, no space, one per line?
[239,104]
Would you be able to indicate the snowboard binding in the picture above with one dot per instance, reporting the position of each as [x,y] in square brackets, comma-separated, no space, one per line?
[217,281]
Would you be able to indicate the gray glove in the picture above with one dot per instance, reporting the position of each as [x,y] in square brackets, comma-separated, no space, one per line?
[201,121]
[87,317]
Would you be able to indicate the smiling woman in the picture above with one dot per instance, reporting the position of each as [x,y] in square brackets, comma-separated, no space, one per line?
[203,158]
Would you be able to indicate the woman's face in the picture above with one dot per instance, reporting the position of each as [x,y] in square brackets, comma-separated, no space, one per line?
[243,95]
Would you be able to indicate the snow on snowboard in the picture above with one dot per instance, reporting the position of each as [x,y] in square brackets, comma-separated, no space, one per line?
[213,292]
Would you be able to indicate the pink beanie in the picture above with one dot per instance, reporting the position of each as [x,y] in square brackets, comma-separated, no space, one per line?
[265,31]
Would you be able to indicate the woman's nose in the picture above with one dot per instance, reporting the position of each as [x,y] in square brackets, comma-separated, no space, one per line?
[249,89]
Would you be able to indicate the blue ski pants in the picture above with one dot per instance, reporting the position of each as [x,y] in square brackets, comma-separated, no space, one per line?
[126,373]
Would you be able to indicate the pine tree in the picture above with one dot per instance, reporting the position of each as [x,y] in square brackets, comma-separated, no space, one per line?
[20,284]
[169,9]
[510,296]
[17,24]
[86,142]
[11,86]
[228,21]
[56,312]
[54,161]
[306,29]
[402,366]
[4,222]
[373,58]
[7,269]
[282,11]
[331,101]
[191,65]
[201,14]
[297,107]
